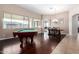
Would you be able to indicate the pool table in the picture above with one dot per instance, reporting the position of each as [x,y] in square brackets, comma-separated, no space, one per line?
[25,33]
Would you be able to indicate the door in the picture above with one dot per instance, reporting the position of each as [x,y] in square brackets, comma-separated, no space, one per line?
[75,26]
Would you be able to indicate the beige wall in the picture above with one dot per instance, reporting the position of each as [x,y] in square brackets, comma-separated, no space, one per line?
[64,16]
[13,9]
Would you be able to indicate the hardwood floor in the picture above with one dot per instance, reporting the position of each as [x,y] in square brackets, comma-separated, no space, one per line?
[42,45]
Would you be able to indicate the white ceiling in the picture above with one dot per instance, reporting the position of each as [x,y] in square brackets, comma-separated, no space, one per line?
[46,9]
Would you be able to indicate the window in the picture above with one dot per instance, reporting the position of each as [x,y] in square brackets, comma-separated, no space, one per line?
[46,23]
[7,21]
[17,21]
[36,23]
[14,21]
[26,22]
[31,22]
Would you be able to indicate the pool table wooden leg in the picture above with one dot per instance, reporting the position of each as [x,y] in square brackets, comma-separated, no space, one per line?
[21,40]
[26,40]
[31,40]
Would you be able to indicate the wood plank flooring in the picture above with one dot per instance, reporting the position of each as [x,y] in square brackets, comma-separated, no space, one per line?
[42,45]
